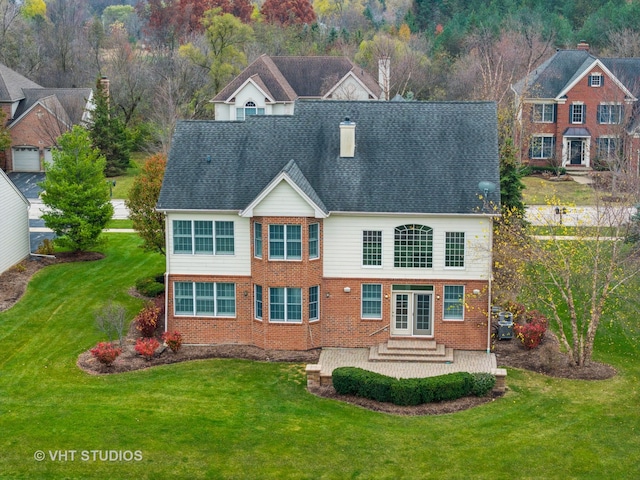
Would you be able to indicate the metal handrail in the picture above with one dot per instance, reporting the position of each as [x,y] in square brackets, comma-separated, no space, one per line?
[379,330]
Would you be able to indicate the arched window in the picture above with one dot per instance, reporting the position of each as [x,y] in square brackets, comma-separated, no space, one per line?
[249,109]
[413,246]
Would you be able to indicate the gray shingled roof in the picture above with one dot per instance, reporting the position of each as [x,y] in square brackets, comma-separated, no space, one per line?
[72,100]
[552,76]
[12,83]
[289,78]
[412,157]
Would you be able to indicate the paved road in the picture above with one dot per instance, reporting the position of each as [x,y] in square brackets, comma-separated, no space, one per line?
[579,216]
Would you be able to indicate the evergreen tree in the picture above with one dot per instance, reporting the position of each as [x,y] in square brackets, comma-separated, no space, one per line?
[76,192]
[109,134]
[511,185]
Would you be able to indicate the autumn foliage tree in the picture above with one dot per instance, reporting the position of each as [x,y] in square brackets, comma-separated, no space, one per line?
[288,12]
[143,197]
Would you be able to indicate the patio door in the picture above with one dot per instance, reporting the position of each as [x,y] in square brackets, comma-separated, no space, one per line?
[412,314]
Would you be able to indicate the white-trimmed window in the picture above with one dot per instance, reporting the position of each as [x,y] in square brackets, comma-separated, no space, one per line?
[314,303]
[453,302]
[200,237]
[249,109]
[257,240]
[205,299]
[454,249]
[577,113]
[596,80]
[314,240]
[257,295]
[285,242]
[413,246]
[372,248]
[542,147]
[285,304]
[371,300]
[610,113]
[544,113]
[607,147]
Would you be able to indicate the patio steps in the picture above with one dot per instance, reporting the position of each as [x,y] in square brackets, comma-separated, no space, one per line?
[411,350]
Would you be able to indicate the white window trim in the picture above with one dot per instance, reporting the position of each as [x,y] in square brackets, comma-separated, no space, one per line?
[582,119]
[255,303]
[286,309]
[543,135]
[317,257]
[444,305]
[362,317]
[215,301]
[545,106]
[193,238]
[255,252]
[381,249]
[314,320]
[464,255]
[594,75]
[286,254]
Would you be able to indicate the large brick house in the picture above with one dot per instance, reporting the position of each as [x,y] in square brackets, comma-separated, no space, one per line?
[35,117]
[271,84]
[579,111]
[345,224]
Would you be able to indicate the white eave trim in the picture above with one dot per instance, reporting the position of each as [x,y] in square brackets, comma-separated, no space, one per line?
[249,80]
[343,79]
[607,72]
[282,177]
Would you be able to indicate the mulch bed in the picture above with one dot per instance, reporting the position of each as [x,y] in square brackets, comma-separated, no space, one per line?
[546,359]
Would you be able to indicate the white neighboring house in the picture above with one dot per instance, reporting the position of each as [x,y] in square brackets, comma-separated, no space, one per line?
[14,224]
[271,85]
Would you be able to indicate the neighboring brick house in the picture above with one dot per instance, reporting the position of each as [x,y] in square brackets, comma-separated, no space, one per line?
[271,85]
[14,224]
[578,111]
[342,225]
[36,117]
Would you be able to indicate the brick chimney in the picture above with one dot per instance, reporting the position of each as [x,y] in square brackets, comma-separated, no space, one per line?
[104,85]
[347,138]
[582,45]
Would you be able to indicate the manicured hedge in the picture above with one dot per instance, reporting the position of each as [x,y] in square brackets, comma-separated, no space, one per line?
[151,286]
[410,391]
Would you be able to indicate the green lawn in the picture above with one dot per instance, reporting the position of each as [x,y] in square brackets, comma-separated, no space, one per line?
[539,191]
[226,418]
[124,182]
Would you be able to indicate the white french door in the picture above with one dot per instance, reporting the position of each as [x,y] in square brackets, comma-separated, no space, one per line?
[412,314]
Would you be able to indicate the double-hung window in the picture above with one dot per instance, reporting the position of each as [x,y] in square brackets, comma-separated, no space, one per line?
[205,299]
[257,240]
[609,113]
[543,112]
[258,301]
[285,304]
[314,240]
[372,248]
[203,237]
[413,246]
[285,242]
[542,147]
[371,301]
[453,302]
[596,80]
[314,303]
[577,113]
[607,147]
[454,249]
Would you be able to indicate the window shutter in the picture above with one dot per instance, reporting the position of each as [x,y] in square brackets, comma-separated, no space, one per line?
[621,117]
[601,80]
[584,114]
[555,112]
[598,113]
[590,80]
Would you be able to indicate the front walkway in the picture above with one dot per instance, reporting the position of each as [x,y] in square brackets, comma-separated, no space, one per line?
[463,361]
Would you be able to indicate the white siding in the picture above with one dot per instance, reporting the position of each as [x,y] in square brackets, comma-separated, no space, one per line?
[342,248]
[237,264]
[283,201]
[223,111]
[14,225]
[350,89]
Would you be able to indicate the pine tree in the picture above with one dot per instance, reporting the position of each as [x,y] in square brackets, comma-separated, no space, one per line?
[109,134]
[510,184]
[76,192]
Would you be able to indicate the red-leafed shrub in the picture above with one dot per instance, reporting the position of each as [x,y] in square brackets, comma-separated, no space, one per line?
[173,340]
[146,347]
[532,332]
[147,319]
[105,353]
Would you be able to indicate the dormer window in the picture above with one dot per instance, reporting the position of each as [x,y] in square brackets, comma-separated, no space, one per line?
[595,80]
[249,109]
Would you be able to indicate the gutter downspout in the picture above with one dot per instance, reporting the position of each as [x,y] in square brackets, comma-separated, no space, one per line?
[490,286]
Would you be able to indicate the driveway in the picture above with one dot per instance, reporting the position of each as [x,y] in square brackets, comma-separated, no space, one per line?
[27,183]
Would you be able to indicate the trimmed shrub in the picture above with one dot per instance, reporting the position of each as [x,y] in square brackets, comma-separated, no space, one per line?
[150,286]
[147,320]
[483,383]
[46,247]
[173,340]
[532,332]
[146,347]
[406,391]
[106,353]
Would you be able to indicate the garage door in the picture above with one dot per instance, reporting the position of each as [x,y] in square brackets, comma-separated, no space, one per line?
[48,158]
[26,159]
